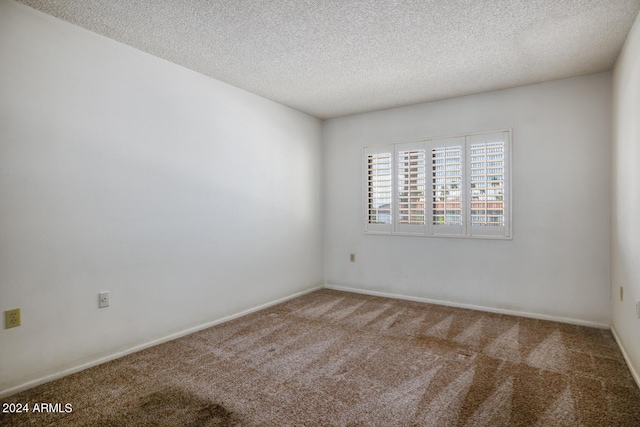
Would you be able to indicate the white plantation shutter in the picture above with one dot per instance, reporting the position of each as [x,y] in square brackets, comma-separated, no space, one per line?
[447,187]
[411,187]
[378,169]
[488,181]
[458,186]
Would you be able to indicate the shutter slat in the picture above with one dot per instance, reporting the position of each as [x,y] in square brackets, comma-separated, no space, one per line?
[488,174]
[411,187]
[446,190]
[379,188]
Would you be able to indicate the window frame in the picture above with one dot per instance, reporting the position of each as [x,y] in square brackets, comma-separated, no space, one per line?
[429,229]
[370,227]
[399,227]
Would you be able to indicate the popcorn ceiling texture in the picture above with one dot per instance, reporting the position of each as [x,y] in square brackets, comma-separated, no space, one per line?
[332,358]
[336,58]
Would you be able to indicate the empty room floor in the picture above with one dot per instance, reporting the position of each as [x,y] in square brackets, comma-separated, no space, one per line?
[332,358]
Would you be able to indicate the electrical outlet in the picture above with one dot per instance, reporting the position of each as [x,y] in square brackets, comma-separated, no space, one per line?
[621,293]
[12,318]
[103,299]
[352,257]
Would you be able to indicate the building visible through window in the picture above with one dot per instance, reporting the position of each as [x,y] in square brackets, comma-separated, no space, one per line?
[457,186]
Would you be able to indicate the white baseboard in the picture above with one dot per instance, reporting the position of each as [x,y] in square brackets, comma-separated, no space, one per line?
[634,373]
[112,356]
[473,307]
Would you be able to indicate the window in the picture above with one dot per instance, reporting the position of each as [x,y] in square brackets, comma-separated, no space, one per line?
[456,186]
[378,177]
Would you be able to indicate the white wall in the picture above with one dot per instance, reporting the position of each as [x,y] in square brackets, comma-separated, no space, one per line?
[187,198]
[558,261]
[625,229]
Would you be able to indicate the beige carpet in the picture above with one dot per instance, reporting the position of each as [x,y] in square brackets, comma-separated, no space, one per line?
[339,359]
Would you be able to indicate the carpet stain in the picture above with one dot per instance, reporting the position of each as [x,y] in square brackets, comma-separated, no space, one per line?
[172,407]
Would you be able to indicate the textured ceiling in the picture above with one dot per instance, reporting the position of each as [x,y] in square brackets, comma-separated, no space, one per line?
[341,57]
